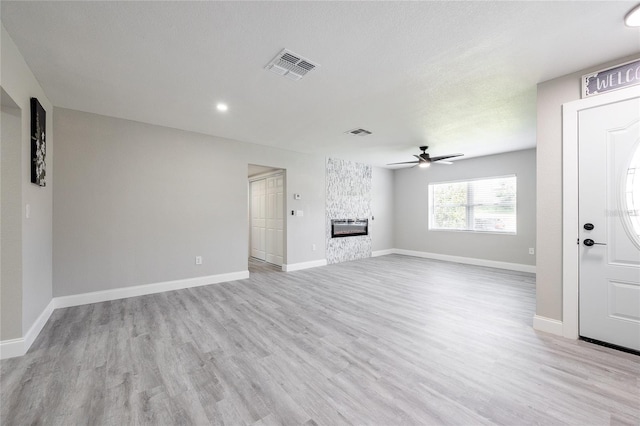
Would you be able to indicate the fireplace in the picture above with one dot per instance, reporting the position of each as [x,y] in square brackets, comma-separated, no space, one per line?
[349,227]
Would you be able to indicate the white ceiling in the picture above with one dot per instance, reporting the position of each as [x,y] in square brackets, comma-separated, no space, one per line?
[459,76]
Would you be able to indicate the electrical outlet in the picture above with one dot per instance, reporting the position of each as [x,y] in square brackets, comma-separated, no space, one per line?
[313,247]
[198,260]
[532,250]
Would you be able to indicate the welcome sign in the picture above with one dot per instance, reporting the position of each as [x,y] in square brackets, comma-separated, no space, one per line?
[618,77]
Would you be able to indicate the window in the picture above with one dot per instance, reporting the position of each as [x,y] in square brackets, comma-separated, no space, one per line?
[483,205]
[632,197]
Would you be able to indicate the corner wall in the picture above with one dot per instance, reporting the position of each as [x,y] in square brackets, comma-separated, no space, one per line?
[19,83]
[412,232]
[551,95]
[10,218]
[135,203]
[382,212]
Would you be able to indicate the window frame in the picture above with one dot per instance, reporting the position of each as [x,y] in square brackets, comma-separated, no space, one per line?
[469,206]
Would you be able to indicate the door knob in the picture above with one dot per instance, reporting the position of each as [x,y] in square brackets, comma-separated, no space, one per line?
[589,242]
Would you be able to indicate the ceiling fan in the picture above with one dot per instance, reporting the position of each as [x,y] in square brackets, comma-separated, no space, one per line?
[424,160]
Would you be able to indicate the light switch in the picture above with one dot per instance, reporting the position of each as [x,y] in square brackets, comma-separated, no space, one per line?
[299,213]
[28,211]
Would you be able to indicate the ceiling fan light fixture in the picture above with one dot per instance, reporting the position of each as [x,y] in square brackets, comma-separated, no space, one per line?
[633,17]
[424,160]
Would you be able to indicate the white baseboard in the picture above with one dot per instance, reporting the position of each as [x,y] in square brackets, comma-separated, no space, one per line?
[141,290]
[382,252]
[18,347]
[12,348]
[38,325]
[303,265]
[468,260]
[548,325]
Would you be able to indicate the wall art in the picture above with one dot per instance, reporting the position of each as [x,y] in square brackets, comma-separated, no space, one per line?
[38,143]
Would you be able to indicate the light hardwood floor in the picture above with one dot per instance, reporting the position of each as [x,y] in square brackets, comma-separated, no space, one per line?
[383,341]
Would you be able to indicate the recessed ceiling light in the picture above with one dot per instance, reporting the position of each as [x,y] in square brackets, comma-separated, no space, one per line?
[222,107]
[633,18]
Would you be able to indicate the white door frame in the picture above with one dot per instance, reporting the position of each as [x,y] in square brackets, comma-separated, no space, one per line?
[570,225]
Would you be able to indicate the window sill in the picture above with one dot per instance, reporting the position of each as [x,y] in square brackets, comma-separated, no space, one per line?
[469,231]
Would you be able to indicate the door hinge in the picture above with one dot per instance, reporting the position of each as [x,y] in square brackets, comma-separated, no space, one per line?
[578,241]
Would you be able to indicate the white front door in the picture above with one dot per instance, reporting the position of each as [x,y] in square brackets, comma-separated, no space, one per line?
[609,221]
[258,219]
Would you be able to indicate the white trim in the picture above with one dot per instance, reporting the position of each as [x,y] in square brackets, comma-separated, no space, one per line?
[570,225]
[141,290]
[382,252]
[18,347]
[272,173]
[303,265]
[469,260]
[38,325]
[12,348]
[548,325]
[570,219]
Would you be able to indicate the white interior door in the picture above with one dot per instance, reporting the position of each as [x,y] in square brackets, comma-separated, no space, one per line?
[609,203]
[258,219]
[275,219]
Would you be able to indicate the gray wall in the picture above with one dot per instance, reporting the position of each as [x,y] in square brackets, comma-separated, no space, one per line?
[135,203]
[382,201]
[551,95]
[412,210]
[10,219]
[17,80]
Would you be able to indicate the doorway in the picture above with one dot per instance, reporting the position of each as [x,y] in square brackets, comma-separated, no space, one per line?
[10,218]
[601,236]
[266,214]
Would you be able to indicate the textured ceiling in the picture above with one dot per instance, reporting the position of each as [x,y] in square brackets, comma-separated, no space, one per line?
[457,76]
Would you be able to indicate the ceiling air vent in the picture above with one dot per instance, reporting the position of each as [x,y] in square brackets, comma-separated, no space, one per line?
[290,65]
[358,132]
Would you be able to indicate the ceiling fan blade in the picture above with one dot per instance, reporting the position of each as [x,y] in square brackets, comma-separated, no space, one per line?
[404,162]
[444,157]
[424,159]
[448,163]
